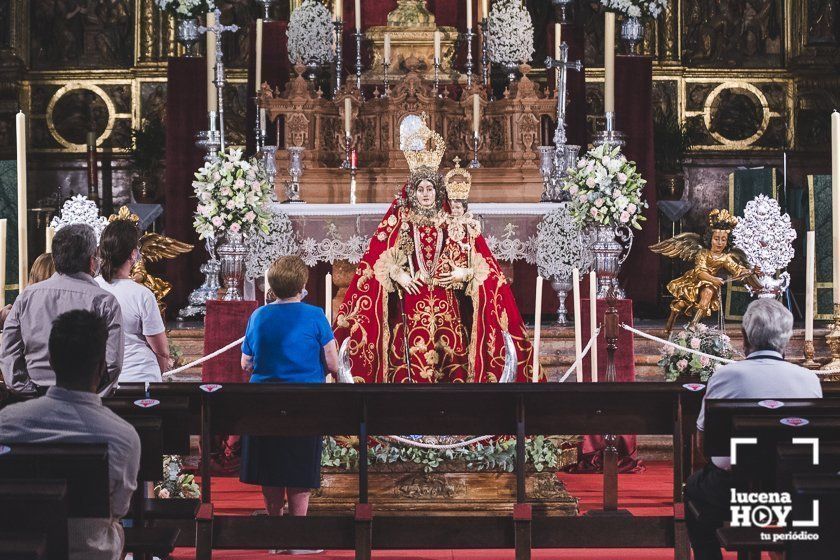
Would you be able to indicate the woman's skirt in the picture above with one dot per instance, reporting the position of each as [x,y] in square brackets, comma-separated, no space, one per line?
[292,462]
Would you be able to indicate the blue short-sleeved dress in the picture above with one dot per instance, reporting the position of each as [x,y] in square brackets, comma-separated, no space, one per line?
[286,341]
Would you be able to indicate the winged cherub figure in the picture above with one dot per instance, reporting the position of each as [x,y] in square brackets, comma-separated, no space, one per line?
[697,292]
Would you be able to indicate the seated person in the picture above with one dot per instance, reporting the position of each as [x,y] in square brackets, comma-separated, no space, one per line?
[24,358]
[767,327]
[71,412]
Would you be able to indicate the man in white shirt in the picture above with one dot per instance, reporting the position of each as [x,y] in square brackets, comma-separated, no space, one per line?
[72,412]
[767,328]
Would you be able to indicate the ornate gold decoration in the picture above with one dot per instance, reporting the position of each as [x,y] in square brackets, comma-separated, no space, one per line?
[458,182]
[809,361]
[154,247]
[430,155]
[429,487]
[832,339]
[72,86]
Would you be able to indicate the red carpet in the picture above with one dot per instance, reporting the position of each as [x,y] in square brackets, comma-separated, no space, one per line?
[646,493]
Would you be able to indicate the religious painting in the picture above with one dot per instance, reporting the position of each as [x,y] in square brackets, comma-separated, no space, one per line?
[153,101]
[235,45]
[664,96]
[823,22]
[813,111]
[733,33]
[82,33]
[235,99]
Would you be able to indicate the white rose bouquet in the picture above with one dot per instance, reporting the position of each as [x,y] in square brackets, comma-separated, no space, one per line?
[311,34]
[186,8]
[606,189]
[511,32]
[232,196]
[80,210]
[636,8]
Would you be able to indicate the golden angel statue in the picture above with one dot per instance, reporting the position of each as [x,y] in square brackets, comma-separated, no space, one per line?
[697,292]
[154,247]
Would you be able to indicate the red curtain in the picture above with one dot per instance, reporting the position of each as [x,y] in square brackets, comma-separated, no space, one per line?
[634,115]
[186,114]
[275,71]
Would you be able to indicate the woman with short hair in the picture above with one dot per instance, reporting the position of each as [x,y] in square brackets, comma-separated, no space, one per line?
[146,345]
[287,341]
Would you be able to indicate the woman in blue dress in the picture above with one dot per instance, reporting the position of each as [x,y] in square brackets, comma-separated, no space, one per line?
[287,341]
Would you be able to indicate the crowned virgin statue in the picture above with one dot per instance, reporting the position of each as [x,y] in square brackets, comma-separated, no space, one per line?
[428,302]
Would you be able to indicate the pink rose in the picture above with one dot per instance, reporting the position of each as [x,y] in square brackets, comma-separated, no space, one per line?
[239,184]
[164,493]
[590,182]
[594,212]
[203,211]
[573,190]
[624,217]
[582,199]
[704,361]
[632,208]
[622,178]
[234,228]
[217,221]
[250,217]
[599,202]
[682,364]
[230,204]
[694,343]
[225,191]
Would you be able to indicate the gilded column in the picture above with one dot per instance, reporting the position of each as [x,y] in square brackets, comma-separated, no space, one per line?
[146,31]
[669,47]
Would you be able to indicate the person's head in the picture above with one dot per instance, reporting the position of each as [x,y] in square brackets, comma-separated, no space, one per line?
[287,277]
[457,207]
[74,250]
[77,350]
[42,268]
[424,191]
[767,325]
[118,245]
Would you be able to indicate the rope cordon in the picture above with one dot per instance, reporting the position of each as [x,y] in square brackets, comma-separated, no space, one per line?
[209,356]
[582,354]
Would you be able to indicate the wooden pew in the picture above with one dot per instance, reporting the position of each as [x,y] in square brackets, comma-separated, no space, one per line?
[824,487]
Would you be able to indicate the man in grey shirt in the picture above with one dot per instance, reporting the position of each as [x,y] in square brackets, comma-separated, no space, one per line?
[24,356]
[767,328]
[72,412]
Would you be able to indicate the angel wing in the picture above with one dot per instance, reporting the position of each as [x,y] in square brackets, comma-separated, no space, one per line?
[684,246]
[739,257]
[155,247]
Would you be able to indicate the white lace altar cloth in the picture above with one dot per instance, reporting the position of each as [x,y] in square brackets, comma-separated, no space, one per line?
[331,232]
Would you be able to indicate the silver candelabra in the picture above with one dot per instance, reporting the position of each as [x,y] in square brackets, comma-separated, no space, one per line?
[339,65]
[219,80]
[259,133]
[385,65]
[436,64]
[358,36]
[208,140]
[469,66]
[475,164]
[485,59]
[609,136]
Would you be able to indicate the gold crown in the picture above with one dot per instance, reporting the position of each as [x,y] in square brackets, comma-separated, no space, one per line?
[722,219]
[124,214]
[423,147]
[458,182]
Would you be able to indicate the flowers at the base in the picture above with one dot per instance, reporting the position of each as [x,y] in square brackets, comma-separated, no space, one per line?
[511,37]
[311,34]
[186,8]
[677,363]
[80,210]
[175,483]
[606,189]
[636,8]
[232,196]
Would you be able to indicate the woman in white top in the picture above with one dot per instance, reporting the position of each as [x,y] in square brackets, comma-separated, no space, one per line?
[146,346]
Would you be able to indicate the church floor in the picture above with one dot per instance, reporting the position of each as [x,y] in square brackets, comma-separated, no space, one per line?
[646,493]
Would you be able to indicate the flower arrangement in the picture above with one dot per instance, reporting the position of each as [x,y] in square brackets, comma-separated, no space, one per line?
[311,34]
[677,363]
[176,484]
[232,196]
[636,8]
[511,37]
[186,8]
[79,209]
[560,245]
[266,247]
[606,189]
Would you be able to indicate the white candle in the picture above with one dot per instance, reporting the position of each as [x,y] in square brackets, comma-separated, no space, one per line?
[258,41]
[609,62]
[578,346]
[348,112]
[358,16]
[485,8]
[23,247]
[469,15]
[338,9]
[835,202]
[265,286]
[810,273]
[437,46]
[3,227]
[49,237]
[387,48]
[352,188]
[476,114]
[535,376]
[328,297]
[593,323]
[558,39]
[212,102]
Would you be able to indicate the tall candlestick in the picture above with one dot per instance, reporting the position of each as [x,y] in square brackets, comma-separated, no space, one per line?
[358,16]
[265,286]
[469,15]
[49,238]
[609,62]
[476,114]
[23,252]
[810,273]
[835,202]
[328,297]
[437,46]
[348,111]
[535,376]
[4,223]
[387,54]
[212,103]
[576,300]
[258,41]
[262,121]
[593,324]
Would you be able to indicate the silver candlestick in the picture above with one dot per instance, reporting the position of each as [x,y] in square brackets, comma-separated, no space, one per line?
[436,64]
[269,162]
[474,164]
[385,65]
[266,5]
[609,136]
[485,60]
[295,172]
[469,66]
[339,66]
[348,144]
[219,80]
[259,134]
[208,140]
[358,36]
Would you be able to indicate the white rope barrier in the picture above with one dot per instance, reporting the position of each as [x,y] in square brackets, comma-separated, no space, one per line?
[675,345]
[441,447]
[582,354]
[210,356]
